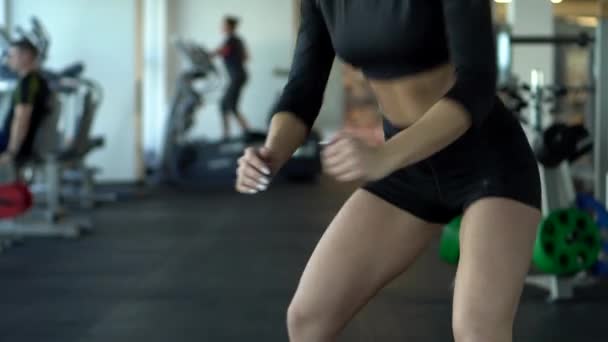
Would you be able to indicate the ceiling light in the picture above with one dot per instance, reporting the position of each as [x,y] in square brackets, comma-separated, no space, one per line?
[509,1]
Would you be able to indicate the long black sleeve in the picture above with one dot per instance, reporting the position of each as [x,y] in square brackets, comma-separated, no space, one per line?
[472,48]
[312,62]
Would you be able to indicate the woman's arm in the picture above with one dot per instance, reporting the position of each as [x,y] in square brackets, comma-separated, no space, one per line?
[298,106]
[302,97]
[286,134]
[467,104]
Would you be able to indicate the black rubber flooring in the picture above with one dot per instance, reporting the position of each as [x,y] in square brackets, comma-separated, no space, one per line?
[221,267]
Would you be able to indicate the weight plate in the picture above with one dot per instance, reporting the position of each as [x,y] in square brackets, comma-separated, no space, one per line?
[568,242]
[449,246]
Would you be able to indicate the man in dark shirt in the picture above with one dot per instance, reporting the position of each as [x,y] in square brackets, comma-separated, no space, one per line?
[30,103]
[235,55]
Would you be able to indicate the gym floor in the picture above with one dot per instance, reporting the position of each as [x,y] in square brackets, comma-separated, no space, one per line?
[221,267]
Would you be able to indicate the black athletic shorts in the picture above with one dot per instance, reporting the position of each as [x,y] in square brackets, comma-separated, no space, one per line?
[232,96]
[493,161]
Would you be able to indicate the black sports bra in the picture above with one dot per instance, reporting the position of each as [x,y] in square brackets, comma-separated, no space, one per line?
[392,38]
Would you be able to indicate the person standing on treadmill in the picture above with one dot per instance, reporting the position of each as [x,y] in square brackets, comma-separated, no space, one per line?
[30,103]
[234,54]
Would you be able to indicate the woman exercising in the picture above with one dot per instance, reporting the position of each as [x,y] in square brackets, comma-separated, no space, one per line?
[451,147]
[235,55]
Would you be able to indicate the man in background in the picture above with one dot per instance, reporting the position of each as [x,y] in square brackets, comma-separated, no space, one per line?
[30,103]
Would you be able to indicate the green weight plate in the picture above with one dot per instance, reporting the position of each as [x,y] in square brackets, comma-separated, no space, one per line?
[568,242]
[449,246]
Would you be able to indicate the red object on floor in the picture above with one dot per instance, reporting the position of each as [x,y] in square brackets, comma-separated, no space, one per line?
[15,199]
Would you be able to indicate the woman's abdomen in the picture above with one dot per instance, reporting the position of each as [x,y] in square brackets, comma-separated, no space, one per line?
[405,100]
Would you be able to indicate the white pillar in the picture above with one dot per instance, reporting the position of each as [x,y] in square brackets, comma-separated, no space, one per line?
[532,17]
[155,88]
[4,11]
[600,143]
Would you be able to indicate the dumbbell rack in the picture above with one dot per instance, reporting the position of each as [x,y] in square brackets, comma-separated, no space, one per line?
[557,192]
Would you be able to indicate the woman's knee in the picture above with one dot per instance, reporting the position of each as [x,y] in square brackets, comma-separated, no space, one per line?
[474,327]
[305,323]
[297,317]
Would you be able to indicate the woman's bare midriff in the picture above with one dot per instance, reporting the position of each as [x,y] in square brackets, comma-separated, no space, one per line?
[405,100]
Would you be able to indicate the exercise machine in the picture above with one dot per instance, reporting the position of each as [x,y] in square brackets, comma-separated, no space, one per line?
[80,99]
[49,220]
[558,191]
[598,45]
[195,162]
[564,263]
[76,143]
[59,146]
[200,163]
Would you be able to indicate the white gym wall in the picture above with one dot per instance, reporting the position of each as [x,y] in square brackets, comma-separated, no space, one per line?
[101,33]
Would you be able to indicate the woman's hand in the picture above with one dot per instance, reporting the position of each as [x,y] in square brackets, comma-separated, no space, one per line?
[348,158]
[254,171]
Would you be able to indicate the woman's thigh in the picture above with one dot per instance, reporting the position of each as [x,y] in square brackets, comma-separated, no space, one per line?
[368,244]
[496,242]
